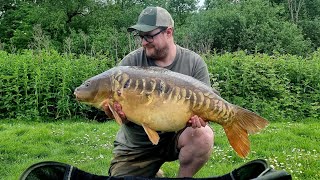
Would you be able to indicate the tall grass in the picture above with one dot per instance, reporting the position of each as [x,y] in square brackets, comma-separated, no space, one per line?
[40,83]
[278,87]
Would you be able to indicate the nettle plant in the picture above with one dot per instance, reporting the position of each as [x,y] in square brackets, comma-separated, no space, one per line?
[41,83]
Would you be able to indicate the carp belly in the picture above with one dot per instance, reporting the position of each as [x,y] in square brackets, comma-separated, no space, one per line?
[156,113]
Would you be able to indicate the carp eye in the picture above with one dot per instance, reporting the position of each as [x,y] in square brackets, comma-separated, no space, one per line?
[87,84]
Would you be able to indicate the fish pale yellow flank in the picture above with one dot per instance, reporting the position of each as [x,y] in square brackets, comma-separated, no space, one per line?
[161,100]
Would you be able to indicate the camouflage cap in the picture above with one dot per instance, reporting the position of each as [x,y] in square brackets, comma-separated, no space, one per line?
[152,18]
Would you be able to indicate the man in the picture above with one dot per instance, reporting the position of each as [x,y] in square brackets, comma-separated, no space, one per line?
[134,154]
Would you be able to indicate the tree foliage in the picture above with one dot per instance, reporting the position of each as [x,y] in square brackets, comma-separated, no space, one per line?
[97,26]
[254,26]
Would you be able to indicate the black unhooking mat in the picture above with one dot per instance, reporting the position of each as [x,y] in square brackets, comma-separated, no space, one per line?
[50,170]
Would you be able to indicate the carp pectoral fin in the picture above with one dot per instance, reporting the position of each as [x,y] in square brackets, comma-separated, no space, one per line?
[105,107]
[152,134]
[115,115]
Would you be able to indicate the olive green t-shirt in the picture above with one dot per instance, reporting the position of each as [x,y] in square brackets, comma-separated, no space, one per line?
[131,137]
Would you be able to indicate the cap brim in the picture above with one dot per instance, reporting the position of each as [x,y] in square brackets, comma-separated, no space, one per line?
[141,27]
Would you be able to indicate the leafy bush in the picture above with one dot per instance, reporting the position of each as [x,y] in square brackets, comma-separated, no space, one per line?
[279,86]
[254,26]
[41,84]
[106,40]
[311,29]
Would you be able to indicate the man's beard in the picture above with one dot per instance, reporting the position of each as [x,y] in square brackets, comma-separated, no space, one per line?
[157,53]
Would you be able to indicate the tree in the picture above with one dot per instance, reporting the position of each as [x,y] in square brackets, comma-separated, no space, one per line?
[181,9]
[294,7]
[15,24]
[253,25]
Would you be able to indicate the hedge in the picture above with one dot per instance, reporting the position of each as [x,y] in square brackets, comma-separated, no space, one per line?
[40,84]
[277,87]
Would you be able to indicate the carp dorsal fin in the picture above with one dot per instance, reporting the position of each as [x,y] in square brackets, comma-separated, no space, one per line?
[152,134]
[115,115]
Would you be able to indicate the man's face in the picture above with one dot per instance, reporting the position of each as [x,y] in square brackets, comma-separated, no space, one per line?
[155,43]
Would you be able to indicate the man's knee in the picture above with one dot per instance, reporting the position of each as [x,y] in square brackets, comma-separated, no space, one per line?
[195,149]
[199,138]
[206,138]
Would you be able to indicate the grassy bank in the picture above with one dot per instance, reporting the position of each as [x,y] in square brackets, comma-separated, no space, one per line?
[292,146]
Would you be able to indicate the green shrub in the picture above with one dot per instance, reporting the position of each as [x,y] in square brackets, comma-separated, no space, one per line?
[255,26]
[41,84]
[277,87]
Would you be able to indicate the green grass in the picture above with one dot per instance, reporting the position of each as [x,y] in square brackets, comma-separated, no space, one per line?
[292,146]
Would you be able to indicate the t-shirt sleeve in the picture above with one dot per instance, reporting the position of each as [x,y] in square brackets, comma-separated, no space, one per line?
[134,58]
[127,61]
[201,73]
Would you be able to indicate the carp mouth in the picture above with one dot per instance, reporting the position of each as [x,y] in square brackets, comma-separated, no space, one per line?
[86,98]
[82,95]
[79,97]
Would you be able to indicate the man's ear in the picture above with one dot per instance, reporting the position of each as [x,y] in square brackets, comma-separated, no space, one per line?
[169,31]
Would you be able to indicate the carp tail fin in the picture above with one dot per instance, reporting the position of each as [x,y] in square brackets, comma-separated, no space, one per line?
[245,122]
[152,134]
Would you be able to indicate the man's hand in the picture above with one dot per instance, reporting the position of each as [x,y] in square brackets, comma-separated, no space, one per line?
[196,122]
[118,109]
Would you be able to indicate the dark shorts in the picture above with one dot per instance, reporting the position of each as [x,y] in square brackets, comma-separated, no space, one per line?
[147,162]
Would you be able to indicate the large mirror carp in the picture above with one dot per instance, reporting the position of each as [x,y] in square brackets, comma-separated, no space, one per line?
[161,100]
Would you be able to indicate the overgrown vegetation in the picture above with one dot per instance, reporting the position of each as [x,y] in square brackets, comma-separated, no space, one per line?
[261,55]
[278,86]
[79,39]
[99,27]
[254,26]
[41,84]
[88,146]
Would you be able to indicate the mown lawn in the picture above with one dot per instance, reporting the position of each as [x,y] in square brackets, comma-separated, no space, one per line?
[292,146]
